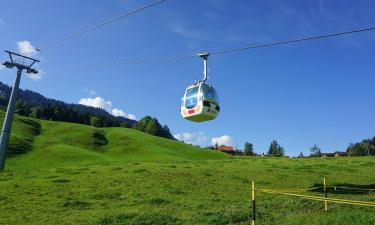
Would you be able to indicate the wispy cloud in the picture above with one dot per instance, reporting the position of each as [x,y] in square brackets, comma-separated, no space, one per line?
[26,48]
[89,91]
[92,92]
[99,102]
[185,32]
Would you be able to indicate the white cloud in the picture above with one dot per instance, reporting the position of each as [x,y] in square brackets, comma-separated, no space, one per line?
[2,67]
[195,138]
[25,48]
[132,117]
[119,112]
[223,140]
[99,102]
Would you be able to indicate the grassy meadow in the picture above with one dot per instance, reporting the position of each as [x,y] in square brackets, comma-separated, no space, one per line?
[63,173]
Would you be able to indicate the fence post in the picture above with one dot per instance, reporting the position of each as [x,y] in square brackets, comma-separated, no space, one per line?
[253,202]
[325,194]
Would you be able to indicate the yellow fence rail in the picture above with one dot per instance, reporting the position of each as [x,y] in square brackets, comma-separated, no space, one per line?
[293,192]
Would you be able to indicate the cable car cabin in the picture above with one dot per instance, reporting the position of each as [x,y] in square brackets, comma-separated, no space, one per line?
[200,103]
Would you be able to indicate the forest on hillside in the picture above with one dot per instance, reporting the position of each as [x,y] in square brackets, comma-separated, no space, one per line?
[35,105]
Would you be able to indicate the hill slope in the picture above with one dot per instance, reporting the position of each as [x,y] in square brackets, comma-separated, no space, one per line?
[40,143]
[75,174]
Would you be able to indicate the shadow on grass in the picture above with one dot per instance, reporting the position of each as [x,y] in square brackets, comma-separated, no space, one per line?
[98,139]
[21,144]
[76,204]
[146,218]
[346,188]
[225,217]
[107,195]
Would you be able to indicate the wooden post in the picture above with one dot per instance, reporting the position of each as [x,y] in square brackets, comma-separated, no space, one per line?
[253,202]
[325,194]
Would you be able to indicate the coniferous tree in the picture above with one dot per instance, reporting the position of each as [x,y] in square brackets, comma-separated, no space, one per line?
[275,149]
[248,149]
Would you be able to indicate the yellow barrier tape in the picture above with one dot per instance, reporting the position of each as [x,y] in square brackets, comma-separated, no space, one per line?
[335,200]
[318,197]
[291,190]
[328,199]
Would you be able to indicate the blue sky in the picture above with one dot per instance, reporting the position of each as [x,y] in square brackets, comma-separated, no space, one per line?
[319,92]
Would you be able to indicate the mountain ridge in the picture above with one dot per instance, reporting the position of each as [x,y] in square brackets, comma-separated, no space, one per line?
[36,99]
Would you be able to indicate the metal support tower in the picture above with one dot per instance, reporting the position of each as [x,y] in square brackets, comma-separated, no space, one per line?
[7,124]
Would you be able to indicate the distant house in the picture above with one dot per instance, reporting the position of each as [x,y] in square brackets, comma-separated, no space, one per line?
[328,154]
[338,154]
[335,154]
[226,149]
[238,152]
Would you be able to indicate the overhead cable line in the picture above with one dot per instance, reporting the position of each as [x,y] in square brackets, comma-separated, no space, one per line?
[225,51]
[292,41]
[111,20]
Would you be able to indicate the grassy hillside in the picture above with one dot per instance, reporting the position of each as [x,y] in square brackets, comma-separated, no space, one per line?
[207,192]
[76,174]
[24,131]
[57,144]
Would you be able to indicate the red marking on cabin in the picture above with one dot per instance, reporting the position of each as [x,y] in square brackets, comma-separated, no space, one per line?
[191,111]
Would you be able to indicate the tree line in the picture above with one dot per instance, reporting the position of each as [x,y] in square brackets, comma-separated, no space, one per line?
[63,112]
[365,147]
[33,104]
[60,111]
[274,150]
[248,150]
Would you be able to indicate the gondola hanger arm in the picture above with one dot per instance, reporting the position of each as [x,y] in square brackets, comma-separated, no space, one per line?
[204,55]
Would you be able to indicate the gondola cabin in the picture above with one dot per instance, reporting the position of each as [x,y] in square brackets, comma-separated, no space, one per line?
[200,103]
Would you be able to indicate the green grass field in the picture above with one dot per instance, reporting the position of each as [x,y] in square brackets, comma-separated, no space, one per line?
[62,173]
